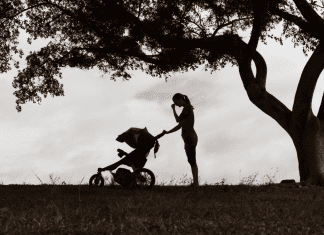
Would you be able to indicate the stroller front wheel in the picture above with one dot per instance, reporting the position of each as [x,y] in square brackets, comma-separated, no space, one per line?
[96,181]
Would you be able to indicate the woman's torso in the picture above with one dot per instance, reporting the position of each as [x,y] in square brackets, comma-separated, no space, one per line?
[188,124]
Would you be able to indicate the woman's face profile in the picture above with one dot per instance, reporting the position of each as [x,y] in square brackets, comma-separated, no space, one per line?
[178,103]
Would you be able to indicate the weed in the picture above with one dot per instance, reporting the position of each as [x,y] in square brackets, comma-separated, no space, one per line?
[53,180]
[39,178]
[249,180]
[221,183]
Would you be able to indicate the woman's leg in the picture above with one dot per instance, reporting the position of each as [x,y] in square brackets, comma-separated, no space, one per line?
[190,147]
[194,170]
[191,155]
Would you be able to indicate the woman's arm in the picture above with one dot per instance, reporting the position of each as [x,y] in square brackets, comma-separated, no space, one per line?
[175,115]
[174,129]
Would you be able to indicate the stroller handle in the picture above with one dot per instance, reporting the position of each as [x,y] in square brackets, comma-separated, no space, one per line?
[159,136]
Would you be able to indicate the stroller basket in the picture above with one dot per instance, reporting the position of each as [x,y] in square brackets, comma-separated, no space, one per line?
[123,177]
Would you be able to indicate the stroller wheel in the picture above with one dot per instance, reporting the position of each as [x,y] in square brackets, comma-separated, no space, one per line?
[96,181]
[143,179]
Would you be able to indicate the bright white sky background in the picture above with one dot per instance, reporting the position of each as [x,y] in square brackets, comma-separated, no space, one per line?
[73,135]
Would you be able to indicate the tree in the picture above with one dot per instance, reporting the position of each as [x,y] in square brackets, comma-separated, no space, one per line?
[165,36]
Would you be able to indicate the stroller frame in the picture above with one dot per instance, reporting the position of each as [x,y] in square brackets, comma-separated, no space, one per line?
[138,179]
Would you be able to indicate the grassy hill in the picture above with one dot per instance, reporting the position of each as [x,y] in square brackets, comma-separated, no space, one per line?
[209,209]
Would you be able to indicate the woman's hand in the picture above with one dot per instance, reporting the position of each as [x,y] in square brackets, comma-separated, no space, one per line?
[173,106]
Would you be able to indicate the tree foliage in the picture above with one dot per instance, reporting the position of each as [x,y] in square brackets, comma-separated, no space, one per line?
[10,24]
[156,36]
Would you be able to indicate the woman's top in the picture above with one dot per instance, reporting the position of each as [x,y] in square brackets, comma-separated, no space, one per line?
[188,118]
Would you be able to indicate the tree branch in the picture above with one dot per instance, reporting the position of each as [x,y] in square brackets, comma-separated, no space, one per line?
[256,90]
[186,9]
[13,16]
[260,8]
[275,109]
[256,86]
[231,22]
[302,107]
[309,13]
[261,69]
[301,23]
[114,50]
[249,51]
[196,25]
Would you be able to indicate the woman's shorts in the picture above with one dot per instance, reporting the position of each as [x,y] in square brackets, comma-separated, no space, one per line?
[191,139]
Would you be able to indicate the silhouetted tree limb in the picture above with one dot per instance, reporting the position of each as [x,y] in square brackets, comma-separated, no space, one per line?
[309,14]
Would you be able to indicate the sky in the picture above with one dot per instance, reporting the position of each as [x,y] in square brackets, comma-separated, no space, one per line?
[70,136]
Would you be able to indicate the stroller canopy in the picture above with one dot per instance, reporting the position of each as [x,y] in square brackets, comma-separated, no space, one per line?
[136,138]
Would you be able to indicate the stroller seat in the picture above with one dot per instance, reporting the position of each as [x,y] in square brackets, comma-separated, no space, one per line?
[142,141]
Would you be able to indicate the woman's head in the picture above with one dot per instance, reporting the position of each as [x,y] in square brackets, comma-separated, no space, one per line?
[181,100]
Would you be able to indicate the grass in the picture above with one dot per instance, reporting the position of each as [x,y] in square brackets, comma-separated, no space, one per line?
[60,208]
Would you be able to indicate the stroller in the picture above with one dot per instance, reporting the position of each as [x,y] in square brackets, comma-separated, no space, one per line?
[142,141]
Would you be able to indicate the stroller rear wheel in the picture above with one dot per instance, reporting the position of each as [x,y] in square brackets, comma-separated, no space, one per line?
[143,179]
[96,181]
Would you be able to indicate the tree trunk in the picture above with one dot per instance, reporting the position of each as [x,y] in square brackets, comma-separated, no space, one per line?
[310,151]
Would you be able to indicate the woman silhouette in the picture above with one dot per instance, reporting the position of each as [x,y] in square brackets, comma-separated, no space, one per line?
[186,121]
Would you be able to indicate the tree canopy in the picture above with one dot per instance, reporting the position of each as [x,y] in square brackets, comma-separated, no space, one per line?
[10,23]
[157,37]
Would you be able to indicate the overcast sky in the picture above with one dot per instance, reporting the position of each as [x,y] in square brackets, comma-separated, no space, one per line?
[73,135]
